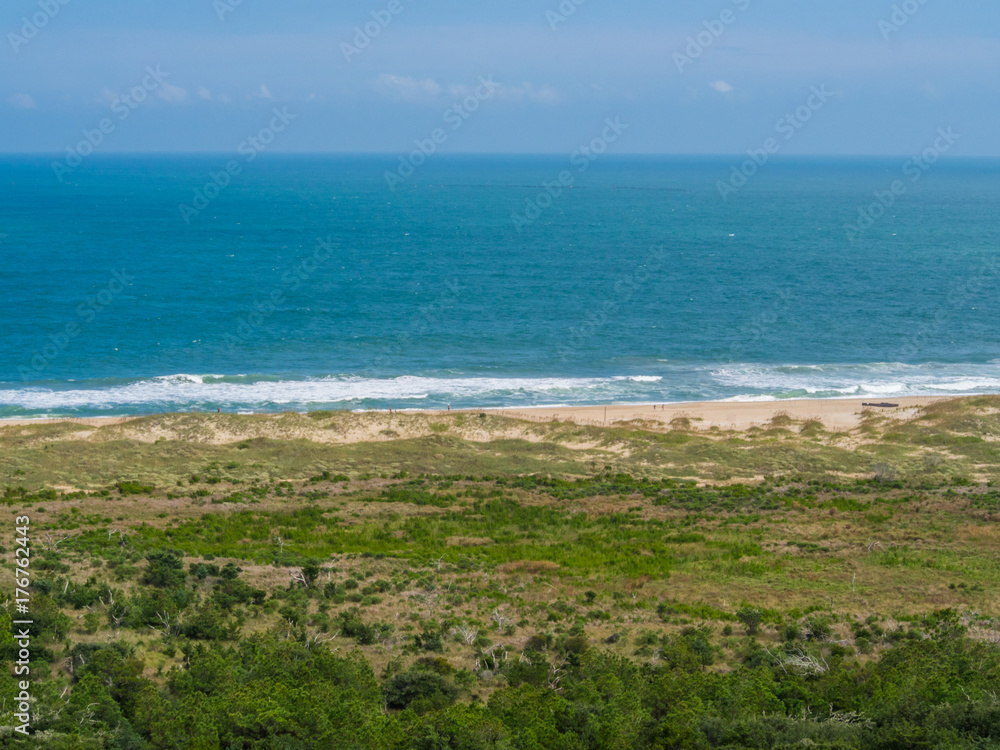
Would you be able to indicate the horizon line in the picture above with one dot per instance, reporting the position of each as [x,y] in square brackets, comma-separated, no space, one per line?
[396,154]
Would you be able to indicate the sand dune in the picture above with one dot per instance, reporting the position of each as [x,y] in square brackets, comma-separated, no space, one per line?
[835,414]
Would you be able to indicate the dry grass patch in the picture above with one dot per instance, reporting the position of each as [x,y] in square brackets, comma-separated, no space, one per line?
[468,541]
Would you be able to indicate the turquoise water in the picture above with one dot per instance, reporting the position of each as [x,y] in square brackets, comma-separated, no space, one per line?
[637,284]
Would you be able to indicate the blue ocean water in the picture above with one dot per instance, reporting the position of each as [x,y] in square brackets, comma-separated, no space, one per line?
[307,283]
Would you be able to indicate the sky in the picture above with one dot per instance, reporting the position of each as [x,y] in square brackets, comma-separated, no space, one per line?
[500,76]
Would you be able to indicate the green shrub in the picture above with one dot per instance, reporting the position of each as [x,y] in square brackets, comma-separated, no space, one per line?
[133,488]
[429,640]
[165,569]
[818,628]
[352,626]
[791,633]
[420,690]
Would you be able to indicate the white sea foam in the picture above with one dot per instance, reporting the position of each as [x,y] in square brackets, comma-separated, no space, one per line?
[184,378]
[176,389]
[873,380]
[677,383]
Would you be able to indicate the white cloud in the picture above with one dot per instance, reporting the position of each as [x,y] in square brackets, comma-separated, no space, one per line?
[265,92]
[407,88]
[172,94]
[721,86]
[22,101]
[204,93]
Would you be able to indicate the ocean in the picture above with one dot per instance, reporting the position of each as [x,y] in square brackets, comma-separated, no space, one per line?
[143,284]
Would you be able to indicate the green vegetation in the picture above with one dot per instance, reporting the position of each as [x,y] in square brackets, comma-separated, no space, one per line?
[527,586]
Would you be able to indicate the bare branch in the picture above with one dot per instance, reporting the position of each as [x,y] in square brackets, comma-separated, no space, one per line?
[467,633]
[53,544]
[499,618]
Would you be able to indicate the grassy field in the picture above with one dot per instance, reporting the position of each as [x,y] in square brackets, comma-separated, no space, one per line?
[454,542]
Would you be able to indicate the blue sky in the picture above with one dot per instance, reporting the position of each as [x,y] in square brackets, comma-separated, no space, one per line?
[555,87]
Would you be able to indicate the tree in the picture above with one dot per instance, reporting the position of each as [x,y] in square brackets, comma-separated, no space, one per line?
[165,569]
[422,691]
[310,571]
[751,617]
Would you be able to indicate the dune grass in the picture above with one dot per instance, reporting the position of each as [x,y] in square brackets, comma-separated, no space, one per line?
[537,538]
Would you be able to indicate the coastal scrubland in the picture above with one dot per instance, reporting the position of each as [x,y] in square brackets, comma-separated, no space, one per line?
[473,580]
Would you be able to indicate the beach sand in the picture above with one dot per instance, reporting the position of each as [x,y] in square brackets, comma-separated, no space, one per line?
[835,414]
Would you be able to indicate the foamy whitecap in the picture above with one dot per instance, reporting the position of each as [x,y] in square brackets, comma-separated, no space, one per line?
[179,389]
[875,380]
[968,385]
[678,383]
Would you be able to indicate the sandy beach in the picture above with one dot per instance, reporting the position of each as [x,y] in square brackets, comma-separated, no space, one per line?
[836,414]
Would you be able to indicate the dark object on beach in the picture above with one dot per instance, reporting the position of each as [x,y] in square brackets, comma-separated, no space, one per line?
[883,406]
